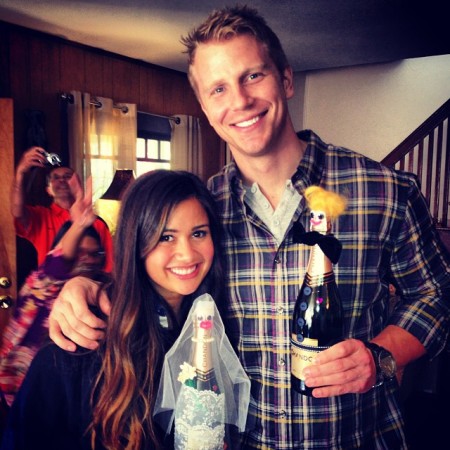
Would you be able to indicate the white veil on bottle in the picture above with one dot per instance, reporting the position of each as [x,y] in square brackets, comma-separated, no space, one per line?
[231,406]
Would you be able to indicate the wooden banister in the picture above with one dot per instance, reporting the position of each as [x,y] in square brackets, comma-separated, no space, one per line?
[426,152]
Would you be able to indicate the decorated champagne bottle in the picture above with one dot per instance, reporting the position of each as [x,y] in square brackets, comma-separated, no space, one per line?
[203,322]
[199,416]
[317,321]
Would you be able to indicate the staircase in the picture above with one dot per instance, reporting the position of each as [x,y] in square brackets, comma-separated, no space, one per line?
[426,153]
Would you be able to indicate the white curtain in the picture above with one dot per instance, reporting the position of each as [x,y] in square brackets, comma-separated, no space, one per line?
[186,145]
[102,138]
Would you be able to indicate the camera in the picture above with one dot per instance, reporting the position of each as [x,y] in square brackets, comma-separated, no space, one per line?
[51,159]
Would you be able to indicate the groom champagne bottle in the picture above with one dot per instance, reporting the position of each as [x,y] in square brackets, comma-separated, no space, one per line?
[317,321]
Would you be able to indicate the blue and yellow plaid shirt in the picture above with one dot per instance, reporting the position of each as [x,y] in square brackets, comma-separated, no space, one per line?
[387,237]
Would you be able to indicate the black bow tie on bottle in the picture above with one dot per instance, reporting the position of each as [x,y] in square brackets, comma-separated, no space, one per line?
[327,242]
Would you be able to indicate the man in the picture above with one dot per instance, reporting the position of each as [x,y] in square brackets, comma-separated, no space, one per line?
[243,81]
[40,224]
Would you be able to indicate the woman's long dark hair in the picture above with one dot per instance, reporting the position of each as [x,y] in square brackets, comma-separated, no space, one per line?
[126,387]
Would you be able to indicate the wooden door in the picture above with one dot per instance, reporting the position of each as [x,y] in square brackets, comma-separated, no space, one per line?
[8,277]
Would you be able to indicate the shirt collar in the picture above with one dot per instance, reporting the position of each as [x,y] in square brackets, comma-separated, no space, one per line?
[57,210]
[309,170]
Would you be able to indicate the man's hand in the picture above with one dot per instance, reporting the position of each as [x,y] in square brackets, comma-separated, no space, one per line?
[346,367]
[71,322]
[33,157]
[82,211]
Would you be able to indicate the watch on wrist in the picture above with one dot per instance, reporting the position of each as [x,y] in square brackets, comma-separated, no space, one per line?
[384,363]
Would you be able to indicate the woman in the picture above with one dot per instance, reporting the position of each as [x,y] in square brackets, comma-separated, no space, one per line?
[165,256]
[76,250]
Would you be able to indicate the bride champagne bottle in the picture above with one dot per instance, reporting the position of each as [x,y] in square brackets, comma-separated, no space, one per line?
[318,318]
[205,379]
[200,412]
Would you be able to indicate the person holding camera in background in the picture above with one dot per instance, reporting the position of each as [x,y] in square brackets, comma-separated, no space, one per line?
[76,251]
[40,224]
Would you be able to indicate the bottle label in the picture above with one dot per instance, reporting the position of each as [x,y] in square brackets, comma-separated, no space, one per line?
[207,381]
[199,420]
[302,355]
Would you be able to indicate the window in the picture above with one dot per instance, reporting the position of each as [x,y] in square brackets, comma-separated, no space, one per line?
[153,143]
[151,154]
[102,163]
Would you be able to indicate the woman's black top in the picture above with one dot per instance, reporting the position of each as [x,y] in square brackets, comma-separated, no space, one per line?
[52,409]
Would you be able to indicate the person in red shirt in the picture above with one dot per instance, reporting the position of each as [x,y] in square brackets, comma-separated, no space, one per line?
[40,224]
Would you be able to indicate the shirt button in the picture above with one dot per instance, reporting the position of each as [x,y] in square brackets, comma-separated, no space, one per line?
[281,362]
[253,189]
[280,310]
[277,260]
[282,414]
[276,222]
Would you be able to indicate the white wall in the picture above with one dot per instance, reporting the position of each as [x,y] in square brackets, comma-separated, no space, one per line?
[371,109]
[296,103]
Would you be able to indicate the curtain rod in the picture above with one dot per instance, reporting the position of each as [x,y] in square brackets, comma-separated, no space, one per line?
[123,108]
[93,101]
[176,119]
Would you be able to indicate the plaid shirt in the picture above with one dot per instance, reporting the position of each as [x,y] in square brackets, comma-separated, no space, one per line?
[387,237]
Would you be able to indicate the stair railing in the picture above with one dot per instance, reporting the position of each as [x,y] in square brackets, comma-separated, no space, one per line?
[426,153]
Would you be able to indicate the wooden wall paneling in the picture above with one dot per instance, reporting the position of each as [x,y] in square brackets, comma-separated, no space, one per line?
[190,99]
[36,74]
[108,77]
[134,84]
[5,88]
[179,104]
[20,87]
[173,102]
[155,100]
[142,102]
[50,56]
[169,101]
[19,63]
[125,75]
[93,74]
[72,68]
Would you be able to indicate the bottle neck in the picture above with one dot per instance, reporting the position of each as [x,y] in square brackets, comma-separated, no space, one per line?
[319,280]
[202,344]
[318,262]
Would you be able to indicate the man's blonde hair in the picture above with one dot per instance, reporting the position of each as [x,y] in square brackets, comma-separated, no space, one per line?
[234,21]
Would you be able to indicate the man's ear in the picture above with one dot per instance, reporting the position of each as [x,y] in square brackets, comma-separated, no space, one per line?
[288,82]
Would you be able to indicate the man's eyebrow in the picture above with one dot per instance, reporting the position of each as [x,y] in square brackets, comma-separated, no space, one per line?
[223,81]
